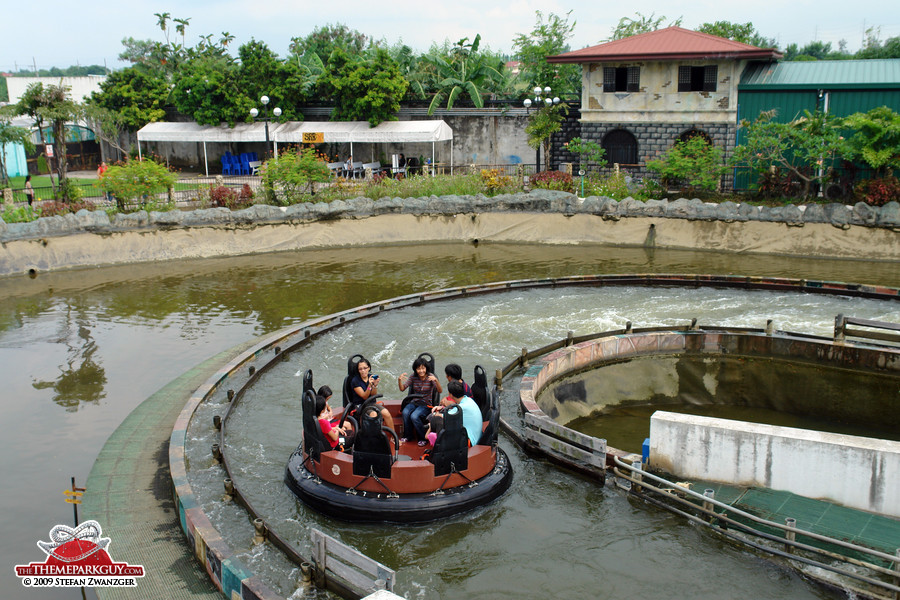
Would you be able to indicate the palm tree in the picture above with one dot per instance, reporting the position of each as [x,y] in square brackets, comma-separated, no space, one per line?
[463,69]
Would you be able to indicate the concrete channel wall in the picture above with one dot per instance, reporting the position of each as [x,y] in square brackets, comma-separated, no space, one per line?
[857,472]
[93,238]
[854,471]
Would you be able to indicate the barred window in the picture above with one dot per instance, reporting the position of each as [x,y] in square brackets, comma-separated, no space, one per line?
[698,79]
[621,79]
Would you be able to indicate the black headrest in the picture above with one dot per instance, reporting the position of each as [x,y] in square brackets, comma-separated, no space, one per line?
[352,362]
[428,358]
[314,442]
[308,382]
[451,448]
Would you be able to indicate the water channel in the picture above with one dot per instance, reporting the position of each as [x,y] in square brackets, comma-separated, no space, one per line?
[79,350]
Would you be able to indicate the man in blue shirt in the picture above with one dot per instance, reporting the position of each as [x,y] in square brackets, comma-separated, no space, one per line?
[471,412]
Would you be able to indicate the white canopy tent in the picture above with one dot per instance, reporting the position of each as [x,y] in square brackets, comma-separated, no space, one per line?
[351,132]
[388,132]
[192,132]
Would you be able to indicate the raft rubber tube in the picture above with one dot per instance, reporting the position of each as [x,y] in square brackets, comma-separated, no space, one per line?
[369,507]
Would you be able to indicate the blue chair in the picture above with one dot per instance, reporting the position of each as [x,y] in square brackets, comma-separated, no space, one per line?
[227,168]
[244,165]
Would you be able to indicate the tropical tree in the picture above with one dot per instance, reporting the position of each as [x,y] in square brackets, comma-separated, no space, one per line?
[544,122]
[363,88]
[548,39]
[739,32]
[628,27]
[262,73]
[799,148]
[876,141]
[10,134]
[52,104]
[208,89]
[137,95]
[29,105]
[463,70]
[324,40]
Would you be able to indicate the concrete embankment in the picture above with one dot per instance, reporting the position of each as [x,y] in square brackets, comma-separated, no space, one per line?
[92,238]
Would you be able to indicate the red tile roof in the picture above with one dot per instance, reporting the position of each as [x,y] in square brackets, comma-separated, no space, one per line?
[671,43]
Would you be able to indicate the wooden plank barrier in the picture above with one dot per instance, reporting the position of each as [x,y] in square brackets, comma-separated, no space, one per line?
[354,567]
[550,436]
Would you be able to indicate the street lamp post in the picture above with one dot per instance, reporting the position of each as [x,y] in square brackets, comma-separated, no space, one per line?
[254,113]
[541,99]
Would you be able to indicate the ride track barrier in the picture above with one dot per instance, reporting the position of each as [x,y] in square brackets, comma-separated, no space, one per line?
[226,570]
[689,504]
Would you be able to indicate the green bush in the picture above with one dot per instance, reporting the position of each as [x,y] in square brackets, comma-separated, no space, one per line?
[20,214]
[694,164]
[136,179]
[69,190]
[290,177]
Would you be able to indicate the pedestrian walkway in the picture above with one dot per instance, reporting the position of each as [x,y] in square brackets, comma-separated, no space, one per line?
[129,492]
[859,527]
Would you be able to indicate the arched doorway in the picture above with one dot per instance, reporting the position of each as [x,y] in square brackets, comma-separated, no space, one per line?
[621,147]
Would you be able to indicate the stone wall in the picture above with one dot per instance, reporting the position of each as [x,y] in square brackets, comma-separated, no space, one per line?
[91,238]
[653,139]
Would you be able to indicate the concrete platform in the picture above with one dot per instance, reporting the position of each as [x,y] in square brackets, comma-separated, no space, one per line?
[129,492]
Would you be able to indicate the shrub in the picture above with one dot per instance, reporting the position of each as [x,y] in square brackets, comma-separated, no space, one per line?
[291,176]
[776,183]
[69,190]
[553,180]
[493,179]
[52,209]
[618,187]
[588,152]
[136,179]
[20,214]
[695,164]
[229,198]
[878,192]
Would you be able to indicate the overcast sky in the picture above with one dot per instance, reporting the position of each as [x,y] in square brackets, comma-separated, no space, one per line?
[65,32]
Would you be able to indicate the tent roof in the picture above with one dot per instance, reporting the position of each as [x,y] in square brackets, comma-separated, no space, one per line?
[292,131]
[361,131]
[193,132]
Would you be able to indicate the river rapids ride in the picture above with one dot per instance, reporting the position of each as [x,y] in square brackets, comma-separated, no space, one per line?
[380,477]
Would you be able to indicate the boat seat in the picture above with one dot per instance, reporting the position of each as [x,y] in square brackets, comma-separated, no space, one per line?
[314,441]
[350,400]
[489,435]
[451,448]
[308,382]
[480,392]
[435,395]
[371,450]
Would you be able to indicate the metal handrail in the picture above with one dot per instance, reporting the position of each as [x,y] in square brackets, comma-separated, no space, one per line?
[841,331]
[736,511]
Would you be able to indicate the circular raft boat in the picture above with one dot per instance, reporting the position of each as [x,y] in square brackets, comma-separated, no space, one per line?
[380,478]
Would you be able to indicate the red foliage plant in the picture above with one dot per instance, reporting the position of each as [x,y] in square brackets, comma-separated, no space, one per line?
[54,208]
[878,192]
[553,180]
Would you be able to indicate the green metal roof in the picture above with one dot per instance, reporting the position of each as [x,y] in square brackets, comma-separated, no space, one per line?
[819,74]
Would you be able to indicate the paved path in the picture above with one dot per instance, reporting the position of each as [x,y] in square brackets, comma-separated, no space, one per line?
[129,492]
